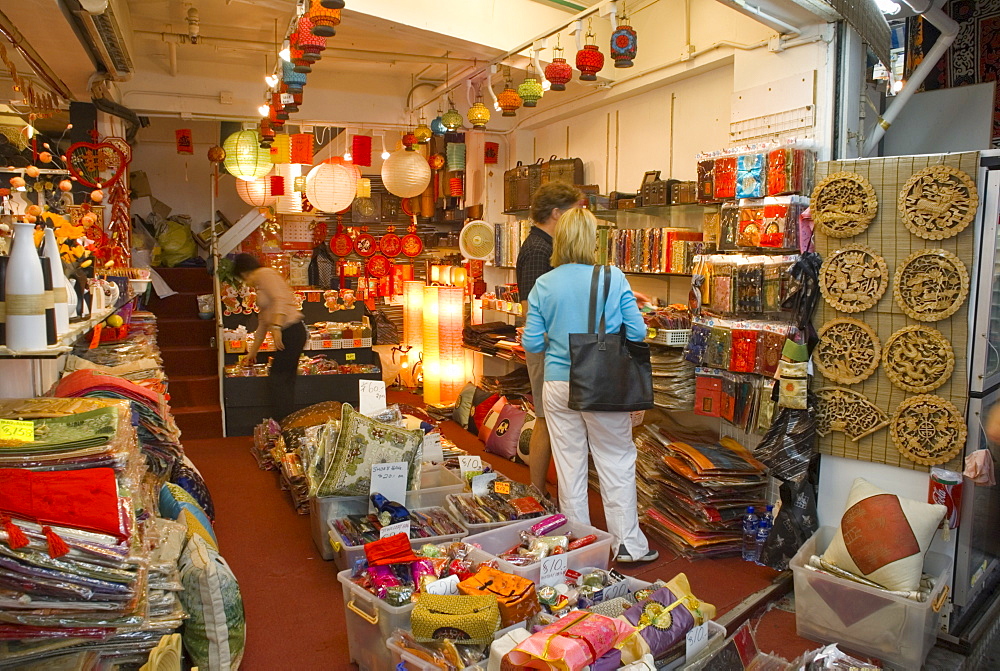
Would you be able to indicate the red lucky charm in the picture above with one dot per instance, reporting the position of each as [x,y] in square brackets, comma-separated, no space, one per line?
[378,266]
[390,243]
[96,164]
[341,243]
[412,244]
[365,244]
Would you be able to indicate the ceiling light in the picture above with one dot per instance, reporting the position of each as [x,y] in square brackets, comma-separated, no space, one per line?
[264,109]
[897,86]
[385,155]
[888,6]
[271,81]
[286,52]
[347,155]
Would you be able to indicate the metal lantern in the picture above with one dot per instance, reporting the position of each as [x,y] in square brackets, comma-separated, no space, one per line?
[558,72]
[325,20]
[281,149]
[301,148]
[331,188]
[256,192]
[311,44]
[509,100]
[589,60]
[451,119]
[406,173]
[479,114]
[245,158]
[530,89]
[293,80]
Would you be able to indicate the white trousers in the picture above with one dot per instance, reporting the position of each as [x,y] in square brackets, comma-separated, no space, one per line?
[608,436]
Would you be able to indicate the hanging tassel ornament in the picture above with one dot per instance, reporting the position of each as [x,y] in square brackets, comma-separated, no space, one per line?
[57,546]
[15,537]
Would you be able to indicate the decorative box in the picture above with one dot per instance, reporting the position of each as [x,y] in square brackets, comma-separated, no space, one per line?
[751,176]
[725,177]
[706,181]
[683,193]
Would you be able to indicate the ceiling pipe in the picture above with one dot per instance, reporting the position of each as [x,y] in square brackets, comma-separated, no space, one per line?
[949,31]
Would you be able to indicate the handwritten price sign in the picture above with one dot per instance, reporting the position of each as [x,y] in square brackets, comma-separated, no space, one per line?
[13,429]
[553,570]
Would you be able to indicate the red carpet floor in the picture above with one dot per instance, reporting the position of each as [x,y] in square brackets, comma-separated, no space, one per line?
[294,604]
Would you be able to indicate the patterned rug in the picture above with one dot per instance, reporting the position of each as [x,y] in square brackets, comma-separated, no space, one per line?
[974,58]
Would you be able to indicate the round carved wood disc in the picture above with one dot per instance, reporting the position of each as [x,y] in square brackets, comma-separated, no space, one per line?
[848,351]
[938,202]
[853,278]
[844,204]
[931,284]
[918,359]
[928,429]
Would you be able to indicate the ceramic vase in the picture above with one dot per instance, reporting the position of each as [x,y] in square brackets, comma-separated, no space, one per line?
[25,293]
[51,337]
[59,298]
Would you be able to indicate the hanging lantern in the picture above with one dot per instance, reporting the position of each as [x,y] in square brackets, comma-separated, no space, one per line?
[299,60]
[437,126]
[455,153]
[423,131]
[361,150]
[589,60]
[332,4]
[530,89]
[330,187]
[245,159]
[292,79]
[325,20]
[406,173]
[479,114]
[509,100]
[455,187]
[279,108]
[301,148]
[364,188]
[558,72]
[624,41]
[266,135]
[311,44]
[277,185]
[451,119]
[256,192]
[409,139]
[272,115]
[281,149]
[291,201]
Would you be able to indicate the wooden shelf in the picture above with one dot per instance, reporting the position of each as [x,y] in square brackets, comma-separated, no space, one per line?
[65,343]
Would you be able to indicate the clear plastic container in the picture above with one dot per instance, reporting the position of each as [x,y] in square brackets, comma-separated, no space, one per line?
[863,619]
[345,555]
[414,663]
[496,541]
[436,483]
[370,621]
[473,527]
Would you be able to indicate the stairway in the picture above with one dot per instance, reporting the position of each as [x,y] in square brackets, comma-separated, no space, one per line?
[189,358]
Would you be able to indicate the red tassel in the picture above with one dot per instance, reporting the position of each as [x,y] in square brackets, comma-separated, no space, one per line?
[57,547]
[15,537]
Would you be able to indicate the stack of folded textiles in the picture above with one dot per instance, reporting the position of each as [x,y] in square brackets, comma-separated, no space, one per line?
[673,378]
[693,495]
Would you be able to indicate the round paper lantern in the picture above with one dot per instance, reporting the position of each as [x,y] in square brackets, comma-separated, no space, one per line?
[245,159]
[558,72]
[406,174]
[256,192]
[331,187]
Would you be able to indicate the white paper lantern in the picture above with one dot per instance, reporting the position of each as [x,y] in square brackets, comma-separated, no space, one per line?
[406,174]
[331,187]
[256,192]
[291,202]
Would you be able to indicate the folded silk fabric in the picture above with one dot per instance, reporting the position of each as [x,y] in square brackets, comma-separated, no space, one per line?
[979,468]
[84,499]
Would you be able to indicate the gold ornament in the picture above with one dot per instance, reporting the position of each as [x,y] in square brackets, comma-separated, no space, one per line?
[848,351]
[848,411]
[928,429]
[918,359]
[844,204]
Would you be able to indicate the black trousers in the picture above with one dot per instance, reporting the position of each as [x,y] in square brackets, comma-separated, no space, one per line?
[284,369]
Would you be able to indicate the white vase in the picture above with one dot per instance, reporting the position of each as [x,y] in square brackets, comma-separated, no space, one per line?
[71,297]
[59,297]
[25,293]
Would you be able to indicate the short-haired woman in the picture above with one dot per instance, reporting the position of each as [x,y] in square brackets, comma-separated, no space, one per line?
[279,315]
[558,306]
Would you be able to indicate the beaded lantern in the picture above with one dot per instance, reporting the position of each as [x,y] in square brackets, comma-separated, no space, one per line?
[589,60]
[479,114]
[301,64]
[256,192]
[558,72]
[530,89]
[509,100]
[332,4]
[624,42]
[311,44]
[437,126]
[422,131]
[330,187]
[451,119]
[245,158]
[293,80]
[325,20]
[406,173]
[266,135]
[280,112]
[409,139]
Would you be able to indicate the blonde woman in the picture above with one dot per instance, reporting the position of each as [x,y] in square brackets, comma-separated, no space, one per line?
[557,306]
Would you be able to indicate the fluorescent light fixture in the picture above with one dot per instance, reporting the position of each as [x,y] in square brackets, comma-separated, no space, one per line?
[888,7]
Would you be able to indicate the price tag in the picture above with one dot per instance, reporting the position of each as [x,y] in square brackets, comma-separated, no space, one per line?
[696,641]
[95,339]
[287,98]
[327,344]
[356,343]
[14,429]
[393,529]
[350,356]
[389,480]
[502,487]
[445,586]
[470,466]
[432,448]
[371,396]
[615,590]
[480,483]
[553,570]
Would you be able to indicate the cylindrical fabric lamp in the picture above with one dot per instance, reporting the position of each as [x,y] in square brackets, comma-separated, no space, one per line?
[281,149]
[361,150]
[331,188]
[256,192]
[245,159]
[413,319]
[455,155]
[325,20]
[432,359]
[292,79]
[406,173]
[301,150]
[291,202]
[450,355]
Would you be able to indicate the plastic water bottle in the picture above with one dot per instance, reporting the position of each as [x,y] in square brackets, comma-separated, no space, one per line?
[764,526]
[750,523]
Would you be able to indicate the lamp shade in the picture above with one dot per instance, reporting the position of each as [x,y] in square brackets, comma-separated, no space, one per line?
[413,305]
[325,20]
[310,43]
[256,192]
[331,187]
[301,150]
[292,79]
[451,119]
[361,150]
[422,132]
[530,91]
[364,188]
[455,155]
[245,158]
[509,100]
[558,72]
[624,43]
[479,115]
[406,173]
[291,201]
[281,149]
[437,125]
[589,60]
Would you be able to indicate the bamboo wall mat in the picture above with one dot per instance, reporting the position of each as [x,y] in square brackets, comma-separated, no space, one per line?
[890,238]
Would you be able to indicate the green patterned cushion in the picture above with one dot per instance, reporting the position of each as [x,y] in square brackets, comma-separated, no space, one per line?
[215,631]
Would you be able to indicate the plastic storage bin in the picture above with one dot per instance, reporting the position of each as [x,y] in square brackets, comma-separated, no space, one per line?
[496,541]
[436,483]
[863,619]
[344,555]
[370,622]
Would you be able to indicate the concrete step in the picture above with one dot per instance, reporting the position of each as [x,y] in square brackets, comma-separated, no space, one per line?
[181,361]
[193,390]
[199,421]
[193,280]
[179,332]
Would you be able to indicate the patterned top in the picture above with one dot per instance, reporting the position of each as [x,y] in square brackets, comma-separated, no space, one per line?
[533,260]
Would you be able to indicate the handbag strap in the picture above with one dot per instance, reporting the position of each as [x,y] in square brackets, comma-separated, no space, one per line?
[593,299]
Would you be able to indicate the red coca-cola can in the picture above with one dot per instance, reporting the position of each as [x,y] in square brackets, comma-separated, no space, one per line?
[945,488]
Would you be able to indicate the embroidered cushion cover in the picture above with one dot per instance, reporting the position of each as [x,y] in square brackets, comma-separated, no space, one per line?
[215,631]
[883,537]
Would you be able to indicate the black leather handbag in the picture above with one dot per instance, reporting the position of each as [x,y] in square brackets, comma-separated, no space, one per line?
[607,372]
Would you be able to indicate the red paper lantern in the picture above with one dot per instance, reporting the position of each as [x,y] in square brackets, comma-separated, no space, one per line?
[455,187]
[310,43]
[279,109]
[491,152]
[361,150]
[409,139]
[589,60]
[558,72]
[277,185]
[302,148]
[299,59]
[266,133]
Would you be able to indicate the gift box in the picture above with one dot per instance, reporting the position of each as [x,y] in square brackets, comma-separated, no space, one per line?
[751,176]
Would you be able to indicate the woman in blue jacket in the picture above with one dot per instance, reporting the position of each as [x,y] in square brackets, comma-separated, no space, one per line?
[557,306]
